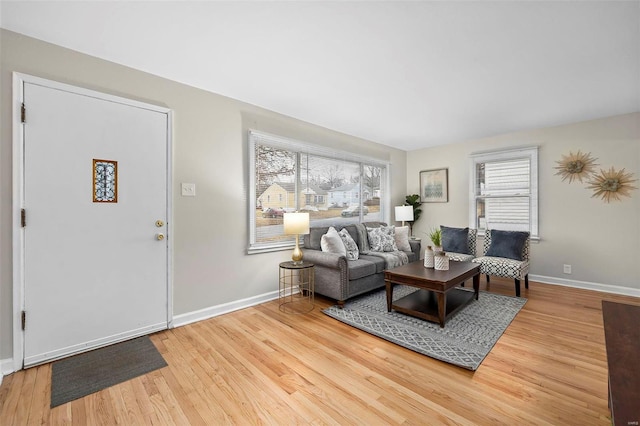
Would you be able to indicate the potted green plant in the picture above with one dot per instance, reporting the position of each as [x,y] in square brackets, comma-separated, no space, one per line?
[413,200]
[436,238]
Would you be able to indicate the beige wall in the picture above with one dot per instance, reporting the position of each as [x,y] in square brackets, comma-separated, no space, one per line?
[601,241]
[209,149]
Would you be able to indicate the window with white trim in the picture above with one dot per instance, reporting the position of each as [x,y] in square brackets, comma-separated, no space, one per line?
[332,186]
[504,191]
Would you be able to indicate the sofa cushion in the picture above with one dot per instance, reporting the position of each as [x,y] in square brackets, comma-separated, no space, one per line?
[360,268]
[378,261]
[313,239]
[363,238]
[331,242]
[455,240]
[509,244]
[349,244]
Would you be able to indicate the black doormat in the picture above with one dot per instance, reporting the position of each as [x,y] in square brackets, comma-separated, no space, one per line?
[90,372]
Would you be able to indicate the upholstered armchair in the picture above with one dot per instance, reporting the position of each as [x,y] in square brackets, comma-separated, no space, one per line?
[507,257]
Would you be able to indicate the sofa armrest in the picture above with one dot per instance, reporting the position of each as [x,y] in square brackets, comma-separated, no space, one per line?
[415,247]
[320,258]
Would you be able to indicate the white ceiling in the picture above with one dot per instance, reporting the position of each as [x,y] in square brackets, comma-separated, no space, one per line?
[405,74]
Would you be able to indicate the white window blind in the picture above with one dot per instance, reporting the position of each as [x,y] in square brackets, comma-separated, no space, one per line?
[504,191]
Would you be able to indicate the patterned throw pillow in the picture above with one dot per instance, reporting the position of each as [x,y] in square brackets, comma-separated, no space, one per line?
[352,248]
[382,239]
[332,243]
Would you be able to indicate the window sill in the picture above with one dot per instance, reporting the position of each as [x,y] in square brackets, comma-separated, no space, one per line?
[258,250]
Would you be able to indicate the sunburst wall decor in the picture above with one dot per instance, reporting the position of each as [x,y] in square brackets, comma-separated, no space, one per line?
[576,166]
[610,184]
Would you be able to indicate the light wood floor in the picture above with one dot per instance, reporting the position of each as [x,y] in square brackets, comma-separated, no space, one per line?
[261,366]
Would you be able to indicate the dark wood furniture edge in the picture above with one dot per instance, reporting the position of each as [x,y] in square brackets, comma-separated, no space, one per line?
[622,341]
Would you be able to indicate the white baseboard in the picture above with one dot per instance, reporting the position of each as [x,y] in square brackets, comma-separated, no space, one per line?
[214,311]
[605,288]
[6,367]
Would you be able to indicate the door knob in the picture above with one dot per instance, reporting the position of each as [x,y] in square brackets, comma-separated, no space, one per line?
[159,223]
[159,237]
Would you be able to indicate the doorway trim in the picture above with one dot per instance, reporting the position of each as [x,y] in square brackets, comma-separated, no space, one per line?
[19,80]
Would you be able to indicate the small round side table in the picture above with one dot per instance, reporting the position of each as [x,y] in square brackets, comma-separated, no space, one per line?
[296,292]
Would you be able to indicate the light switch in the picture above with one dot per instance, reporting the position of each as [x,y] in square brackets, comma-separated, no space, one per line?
[188,189]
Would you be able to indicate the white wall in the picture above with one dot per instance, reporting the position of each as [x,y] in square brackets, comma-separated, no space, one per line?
[601,241]
[210,231]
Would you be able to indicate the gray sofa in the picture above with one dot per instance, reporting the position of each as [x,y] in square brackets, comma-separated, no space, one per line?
[341,279]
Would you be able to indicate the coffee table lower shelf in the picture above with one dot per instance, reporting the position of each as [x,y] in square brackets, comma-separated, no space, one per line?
[424,304]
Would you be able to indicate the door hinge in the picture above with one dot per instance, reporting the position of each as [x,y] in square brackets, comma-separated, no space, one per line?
[23,218]
[23,114]
[23,318]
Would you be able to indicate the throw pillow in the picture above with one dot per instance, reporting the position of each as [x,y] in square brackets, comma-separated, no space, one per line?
[331,242]
[507,244]
[402,238]
[455,240]
[349,244]
[382,239]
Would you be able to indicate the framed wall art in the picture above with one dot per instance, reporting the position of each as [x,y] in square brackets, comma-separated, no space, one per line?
[434,186]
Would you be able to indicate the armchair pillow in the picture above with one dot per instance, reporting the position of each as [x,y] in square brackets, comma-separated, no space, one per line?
[331,242]
[507,244]
[455,239]
[349,244]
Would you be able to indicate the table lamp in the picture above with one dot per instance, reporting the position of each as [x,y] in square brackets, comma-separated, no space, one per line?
[404,213]
[296,224]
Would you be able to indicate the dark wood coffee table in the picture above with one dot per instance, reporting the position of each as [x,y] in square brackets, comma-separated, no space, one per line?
[438,297]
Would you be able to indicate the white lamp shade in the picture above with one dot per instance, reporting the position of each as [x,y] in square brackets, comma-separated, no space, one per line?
[404,213]
[296,223]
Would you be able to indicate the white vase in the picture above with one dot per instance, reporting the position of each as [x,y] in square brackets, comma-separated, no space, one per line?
[428,257]
[441,261]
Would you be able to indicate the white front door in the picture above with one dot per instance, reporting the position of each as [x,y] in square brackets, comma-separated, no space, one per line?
[95,249]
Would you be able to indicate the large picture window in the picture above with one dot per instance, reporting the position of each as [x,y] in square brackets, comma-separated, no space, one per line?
[288,176]
[504,191]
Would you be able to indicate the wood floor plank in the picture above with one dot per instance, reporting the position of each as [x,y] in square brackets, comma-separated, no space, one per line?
[41,395]
[262,366]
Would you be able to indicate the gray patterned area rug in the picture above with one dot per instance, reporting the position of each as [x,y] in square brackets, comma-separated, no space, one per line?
[465,341]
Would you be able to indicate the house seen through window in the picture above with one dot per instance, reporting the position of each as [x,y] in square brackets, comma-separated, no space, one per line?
[290,176]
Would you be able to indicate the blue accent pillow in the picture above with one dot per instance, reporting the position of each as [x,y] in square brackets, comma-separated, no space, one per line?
[507,244]
[455,240]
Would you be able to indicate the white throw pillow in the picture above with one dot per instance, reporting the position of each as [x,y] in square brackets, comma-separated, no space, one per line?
[331,242]
[402,238]
[349,244]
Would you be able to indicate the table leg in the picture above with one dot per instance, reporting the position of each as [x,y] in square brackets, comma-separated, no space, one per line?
[442,306]
[389,287]
[476,285]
